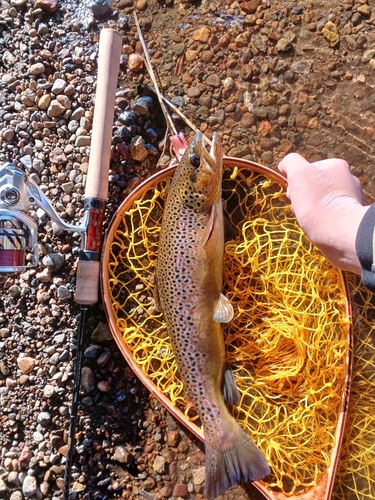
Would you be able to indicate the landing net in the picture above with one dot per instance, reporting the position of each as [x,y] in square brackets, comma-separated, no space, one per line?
[288,342]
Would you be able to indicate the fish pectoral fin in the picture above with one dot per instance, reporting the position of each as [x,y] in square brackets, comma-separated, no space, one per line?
[210,226]
[231,396]
[156,297]
[223,311]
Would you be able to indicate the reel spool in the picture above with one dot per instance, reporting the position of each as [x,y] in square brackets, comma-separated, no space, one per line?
[288,343]
[18,231]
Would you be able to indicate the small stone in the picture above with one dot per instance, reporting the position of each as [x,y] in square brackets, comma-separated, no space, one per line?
[83,140]
[8,134]
[191,55]
[25,456]
[369,54]
[16,495]
[29,486]
[246,72]
[78,487]
[213,80]
[207,56]
[122,455]
[283,45]
[37,69]
[198,475]
[55,109]
[141,4]
[58,86]
[48,391]
[27,161]
[77,114]
[15,291]
[26,364]
[149,483]
[159,464]
[141,107]
[173,438]
[60,338]
[38,437]
[44,488]
[202,34]
[138,149]
[44,418]
[3,487]
[64,293]
[57,156]
[135,62]
[364,9]
[180,490]
[178,49]
[250,7]
[331,33]
[100,8]
[13,478]
[45,276]
[102,333]
[88,382]
[67,187]
[166,491]
[104,386]
[53,261]
[47,5]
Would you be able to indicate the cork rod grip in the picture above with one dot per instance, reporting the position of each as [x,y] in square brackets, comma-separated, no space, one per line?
[110,45]
[96,192]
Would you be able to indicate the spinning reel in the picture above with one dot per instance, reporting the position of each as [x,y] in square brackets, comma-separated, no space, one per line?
[18,230]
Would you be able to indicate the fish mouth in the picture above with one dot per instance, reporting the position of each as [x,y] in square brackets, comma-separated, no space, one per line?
[214,157]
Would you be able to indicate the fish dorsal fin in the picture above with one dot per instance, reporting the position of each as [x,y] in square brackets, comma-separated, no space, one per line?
[223,311]
[231,395]
[210,226]
[156,296]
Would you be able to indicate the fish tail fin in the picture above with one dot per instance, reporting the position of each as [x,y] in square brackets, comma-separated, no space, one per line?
[237,461]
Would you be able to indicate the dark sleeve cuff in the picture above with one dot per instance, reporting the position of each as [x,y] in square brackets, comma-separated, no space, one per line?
[364,245]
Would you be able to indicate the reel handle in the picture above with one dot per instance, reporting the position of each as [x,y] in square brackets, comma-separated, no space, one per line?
[96,191]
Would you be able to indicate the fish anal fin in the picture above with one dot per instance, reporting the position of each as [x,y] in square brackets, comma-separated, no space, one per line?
[210,226]
[231,395]
[236,461]
[223,310]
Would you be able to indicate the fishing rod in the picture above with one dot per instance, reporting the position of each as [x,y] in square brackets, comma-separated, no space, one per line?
[96,192]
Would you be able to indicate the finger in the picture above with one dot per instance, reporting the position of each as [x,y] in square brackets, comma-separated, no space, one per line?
[331,163]
[296,164]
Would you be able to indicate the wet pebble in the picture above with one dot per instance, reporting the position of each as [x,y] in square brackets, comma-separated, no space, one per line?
[29,486]
[53,261]
[26,364]
[122,455]
[64,293]
[44,418]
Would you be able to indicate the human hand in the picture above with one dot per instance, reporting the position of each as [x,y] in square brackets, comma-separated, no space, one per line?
[328,202]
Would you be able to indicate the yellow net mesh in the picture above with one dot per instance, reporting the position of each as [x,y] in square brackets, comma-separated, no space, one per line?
[288,342]
[355,477]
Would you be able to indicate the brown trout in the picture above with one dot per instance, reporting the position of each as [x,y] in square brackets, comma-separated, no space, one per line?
[188,292]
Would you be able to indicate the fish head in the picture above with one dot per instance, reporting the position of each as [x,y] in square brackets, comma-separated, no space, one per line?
[200,173]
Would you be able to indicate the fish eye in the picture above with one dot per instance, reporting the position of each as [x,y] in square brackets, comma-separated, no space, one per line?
[194,160]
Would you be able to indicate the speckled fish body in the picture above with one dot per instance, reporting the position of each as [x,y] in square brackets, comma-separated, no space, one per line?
[188,291]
